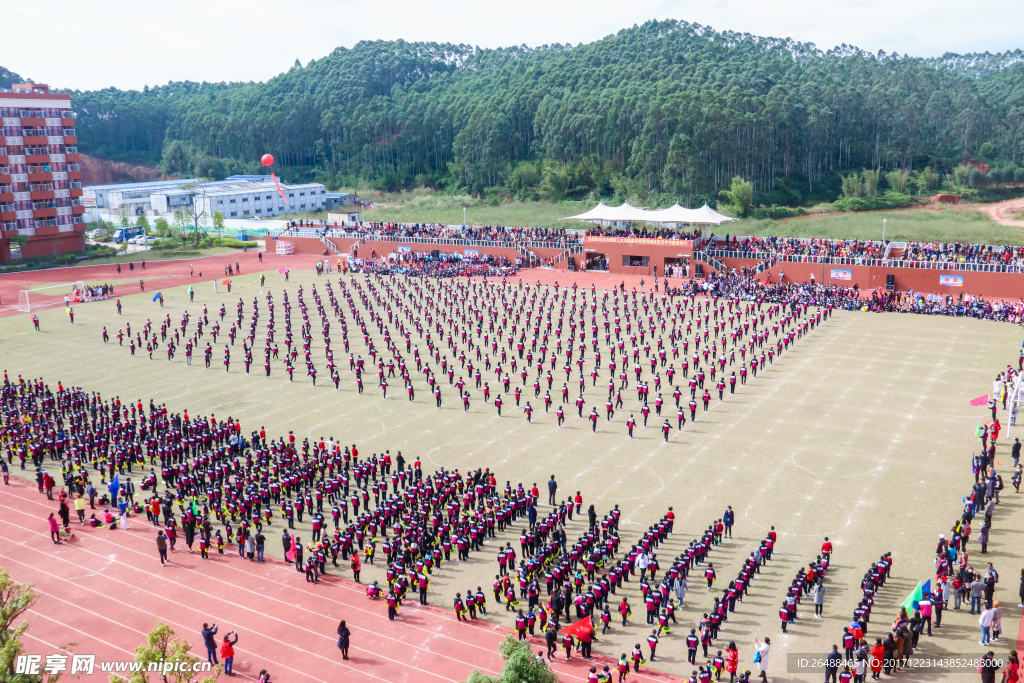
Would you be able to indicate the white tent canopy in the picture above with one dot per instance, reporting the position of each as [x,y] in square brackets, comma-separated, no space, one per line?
[594,214]
[676,214]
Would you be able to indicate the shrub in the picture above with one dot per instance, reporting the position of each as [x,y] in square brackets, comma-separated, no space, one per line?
[776,212]
[888,200]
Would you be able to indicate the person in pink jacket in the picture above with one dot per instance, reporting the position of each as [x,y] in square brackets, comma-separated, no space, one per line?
[926,614]
[54,529]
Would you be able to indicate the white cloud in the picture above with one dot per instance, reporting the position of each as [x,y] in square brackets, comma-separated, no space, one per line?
[130,44]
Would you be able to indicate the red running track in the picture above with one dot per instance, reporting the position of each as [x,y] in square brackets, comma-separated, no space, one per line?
[105,590]
[211,266]
[11,284]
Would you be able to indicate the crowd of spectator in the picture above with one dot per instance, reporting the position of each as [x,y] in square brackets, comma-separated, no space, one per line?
[647,233]
[852,298]
[795,246]
[958,252]
[554,237]
[753,246]
[425,264]
[923,252]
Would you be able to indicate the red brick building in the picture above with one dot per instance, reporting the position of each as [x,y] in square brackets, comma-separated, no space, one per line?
[40,181]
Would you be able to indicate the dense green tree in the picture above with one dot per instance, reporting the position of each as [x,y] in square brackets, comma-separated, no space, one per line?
[664,110]
[9,78]
[740,195]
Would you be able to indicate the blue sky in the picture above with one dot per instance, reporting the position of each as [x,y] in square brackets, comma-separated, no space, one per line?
[131,44]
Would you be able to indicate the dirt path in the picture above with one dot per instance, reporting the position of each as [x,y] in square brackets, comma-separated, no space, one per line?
[1003,212]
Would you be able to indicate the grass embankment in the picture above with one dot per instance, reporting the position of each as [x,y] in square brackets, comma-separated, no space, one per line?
[952,224]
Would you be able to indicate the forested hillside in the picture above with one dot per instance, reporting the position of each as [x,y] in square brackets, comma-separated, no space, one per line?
[665,111]
[9,78]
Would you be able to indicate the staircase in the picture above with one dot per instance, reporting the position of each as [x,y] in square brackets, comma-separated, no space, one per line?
[765,265]
[330,245]
[711,261]
[530,259]
[574,250]
[891,247]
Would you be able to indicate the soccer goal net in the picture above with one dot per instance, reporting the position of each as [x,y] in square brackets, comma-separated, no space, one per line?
[50,295]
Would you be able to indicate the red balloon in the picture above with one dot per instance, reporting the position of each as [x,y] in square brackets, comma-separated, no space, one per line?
[268,159]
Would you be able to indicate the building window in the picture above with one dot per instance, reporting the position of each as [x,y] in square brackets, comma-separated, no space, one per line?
[259,210]
[234,213]
[232,201]
[220,202]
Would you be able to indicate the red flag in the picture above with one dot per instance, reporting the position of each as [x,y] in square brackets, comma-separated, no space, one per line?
[279,189]
[580,628]
[290,555]
[980,401]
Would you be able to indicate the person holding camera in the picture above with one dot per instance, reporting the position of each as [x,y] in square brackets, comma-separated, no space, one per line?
[227,652]
[208,633]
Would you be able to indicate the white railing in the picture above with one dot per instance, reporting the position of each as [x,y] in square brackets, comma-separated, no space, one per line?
[729,253]
[710,260]
[329,244]
[529,257]
[377,236]
[1016,267]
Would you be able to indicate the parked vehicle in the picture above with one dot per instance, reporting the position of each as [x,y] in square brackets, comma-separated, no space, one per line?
[126,234]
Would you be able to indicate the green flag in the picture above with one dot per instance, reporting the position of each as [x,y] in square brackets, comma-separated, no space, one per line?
[977,432]
[915,596]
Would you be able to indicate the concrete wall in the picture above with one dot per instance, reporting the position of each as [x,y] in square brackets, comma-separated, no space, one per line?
[658,254]
[48,245]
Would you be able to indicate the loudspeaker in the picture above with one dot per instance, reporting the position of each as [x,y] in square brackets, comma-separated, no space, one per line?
[699,270]
[890,283]
[572,263]
[435,253]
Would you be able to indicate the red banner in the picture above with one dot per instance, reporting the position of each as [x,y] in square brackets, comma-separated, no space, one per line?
[654,241]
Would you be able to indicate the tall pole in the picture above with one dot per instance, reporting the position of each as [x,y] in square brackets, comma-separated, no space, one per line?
[463,216]
[883,230]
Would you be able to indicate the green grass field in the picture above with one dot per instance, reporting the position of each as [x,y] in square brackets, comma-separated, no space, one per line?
[423,206]
[162,255]
[862,432]
[960,224]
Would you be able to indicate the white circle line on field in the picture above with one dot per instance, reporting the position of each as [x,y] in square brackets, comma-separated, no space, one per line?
[935,412]
[876,468]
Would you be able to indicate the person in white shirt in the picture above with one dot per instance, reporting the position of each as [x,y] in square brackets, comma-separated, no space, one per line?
[762,649]
[985,621]
[642,563]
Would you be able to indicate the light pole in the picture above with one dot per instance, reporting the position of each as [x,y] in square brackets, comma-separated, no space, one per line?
[883,229]
[463,215]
